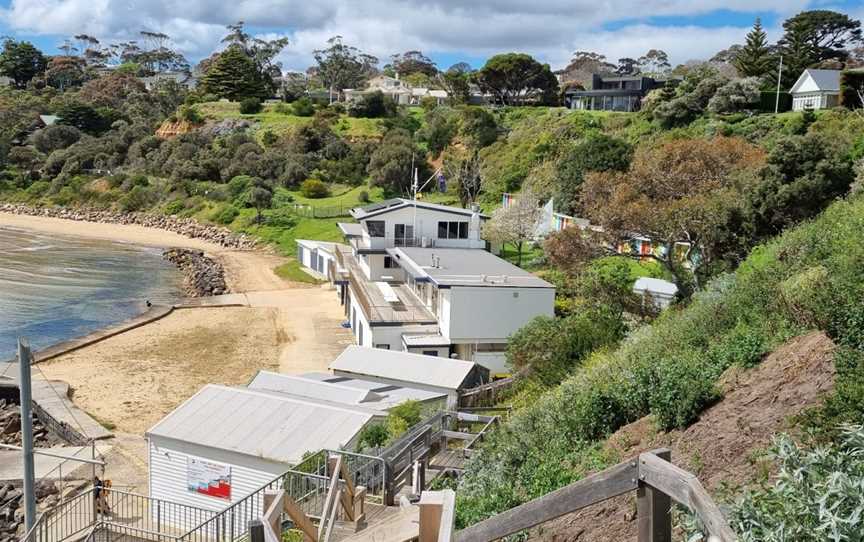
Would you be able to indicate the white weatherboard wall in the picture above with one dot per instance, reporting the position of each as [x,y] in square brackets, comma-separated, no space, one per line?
[169,475]
[426,225]
[491,314]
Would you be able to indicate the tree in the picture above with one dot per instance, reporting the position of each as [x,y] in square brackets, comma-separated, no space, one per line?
[815,36]
[754,59]
[462,168]
[679,191]
[655,62]
[737,95]
[583,65]
[570,249]
[262,52]
[373,106]
[627,66]
[691,97]
[52,138]
[477,127]
[65,72]
[515,224]
[342,66]
[457,82]
[21,62]
[259,196]
[518,79]
[390,165]
[597,153]
[84,117]
[234,76]
[411,62]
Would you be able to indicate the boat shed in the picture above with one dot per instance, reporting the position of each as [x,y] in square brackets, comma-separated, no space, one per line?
[223,443]
[397,368]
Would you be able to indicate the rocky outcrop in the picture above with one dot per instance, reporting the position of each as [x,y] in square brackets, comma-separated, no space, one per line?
[204,275]
[12,507]
[184,226]
[10,428]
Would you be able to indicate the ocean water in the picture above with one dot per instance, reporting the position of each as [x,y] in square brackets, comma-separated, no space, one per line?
[55,288]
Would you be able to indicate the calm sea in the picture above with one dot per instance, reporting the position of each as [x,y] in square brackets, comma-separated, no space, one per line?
[57,288]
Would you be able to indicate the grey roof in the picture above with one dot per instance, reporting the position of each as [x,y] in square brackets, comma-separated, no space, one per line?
[350,229]
[825,79]
[403,367]
[49,120]
[390,395]
[464,267]
[386,206]
[655,286]
[327,246]
[425,339]
[301,387]
[272,426]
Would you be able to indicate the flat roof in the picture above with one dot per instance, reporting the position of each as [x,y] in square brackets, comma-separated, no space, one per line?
[350,229]
[389,395]
[302,387]
[320,245]
[403,366]
[464,267]
[425,339]
[271,426]
[652,285]
[386,206]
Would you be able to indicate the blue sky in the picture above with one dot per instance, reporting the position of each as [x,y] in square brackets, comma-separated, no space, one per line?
[449,31]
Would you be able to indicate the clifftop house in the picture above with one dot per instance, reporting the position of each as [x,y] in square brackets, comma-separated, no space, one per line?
[397,90]
[816,89]
[416,277]
[619,93]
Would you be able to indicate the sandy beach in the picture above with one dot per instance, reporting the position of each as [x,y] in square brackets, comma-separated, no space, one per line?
[130,381]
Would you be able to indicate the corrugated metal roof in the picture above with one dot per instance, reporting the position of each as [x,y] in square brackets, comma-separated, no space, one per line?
[390,395]
[303,387]
[655,286]
[464,267]
[350,229]
[403,366]
[385,206]
[268,425]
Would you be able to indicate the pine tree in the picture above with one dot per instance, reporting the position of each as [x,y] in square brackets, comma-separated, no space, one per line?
[234,76]
[797,50]
[754,59]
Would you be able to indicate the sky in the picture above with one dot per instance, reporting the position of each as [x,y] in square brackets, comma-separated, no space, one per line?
[448,31]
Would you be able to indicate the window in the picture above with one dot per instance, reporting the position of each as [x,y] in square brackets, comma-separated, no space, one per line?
[452,230]
[389,263]
[375,228]
[383,346]
[430,353]
[404,235]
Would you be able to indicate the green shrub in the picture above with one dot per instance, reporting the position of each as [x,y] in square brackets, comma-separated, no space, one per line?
[409,411]
[238,185]
[282,218]
[682,388]
[250,106]
[303,107]
[314,188]
[38,189]
[224,214]
[190,114]
[363,196]
[137,199]
[282,108]
[816,493]
[174,207]
[372,436]
[268,138]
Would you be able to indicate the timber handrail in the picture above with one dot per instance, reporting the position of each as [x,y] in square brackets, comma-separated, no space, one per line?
[332,493]
[655,479]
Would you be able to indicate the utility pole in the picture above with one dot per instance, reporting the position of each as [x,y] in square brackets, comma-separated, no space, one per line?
[777,96]
[27,433]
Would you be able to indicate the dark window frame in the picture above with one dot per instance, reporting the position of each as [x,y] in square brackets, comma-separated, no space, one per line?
[374,233]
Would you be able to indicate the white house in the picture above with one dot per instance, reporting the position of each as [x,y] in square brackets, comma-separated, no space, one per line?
[661,293]
[416,277]
[397,90]
[316,256]
[816,89]
[445,376]
[224,443]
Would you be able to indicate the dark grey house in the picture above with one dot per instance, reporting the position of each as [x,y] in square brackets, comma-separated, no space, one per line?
[623,93]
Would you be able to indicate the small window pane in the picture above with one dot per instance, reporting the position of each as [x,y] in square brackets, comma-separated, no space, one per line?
[375,228]
[442,230]
[453,230]
[463,230]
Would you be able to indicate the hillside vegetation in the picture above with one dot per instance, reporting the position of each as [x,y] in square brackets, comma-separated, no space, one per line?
[809,278]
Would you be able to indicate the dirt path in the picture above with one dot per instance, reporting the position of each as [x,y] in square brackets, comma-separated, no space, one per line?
[723,447]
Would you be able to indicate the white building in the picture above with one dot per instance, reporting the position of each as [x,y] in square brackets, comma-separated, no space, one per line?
[316,256]
[660,293]
[816,89]
[416,277]
[224,443]
[397,90]
[392,368]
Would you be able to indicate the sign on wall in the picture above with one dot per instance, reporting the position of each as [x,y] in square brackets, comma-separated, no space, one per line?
[207,478]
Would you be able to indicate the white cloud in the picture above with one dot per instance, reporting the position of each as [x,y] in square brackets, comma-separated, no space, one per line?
[549,29]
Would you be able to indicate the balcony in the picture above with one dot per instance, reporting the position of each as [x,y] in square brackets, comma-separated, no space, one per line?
[407,310]
[381,243]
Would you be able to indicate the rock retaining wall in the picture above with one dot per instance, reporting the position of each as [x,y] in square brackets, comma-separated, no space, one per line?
[184,226]
[204,276]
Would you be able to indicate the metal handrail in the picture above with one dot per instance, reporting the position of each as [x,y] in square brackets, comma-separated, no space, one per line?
[328,516]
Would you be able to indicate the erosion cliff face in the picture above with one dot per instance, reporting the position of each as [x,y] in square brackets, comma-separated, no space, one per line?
[723,447]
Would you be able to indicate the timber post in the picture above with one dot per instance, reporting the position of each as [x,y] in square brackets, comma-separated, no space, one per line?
[653,509]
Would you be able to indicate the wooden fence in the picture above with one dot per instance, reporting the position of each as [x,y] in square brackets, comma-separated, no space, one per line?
[486,395]
[329,211]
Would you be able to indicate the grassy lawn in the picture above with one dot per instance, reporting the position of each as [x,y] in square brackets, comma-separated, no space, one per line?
[280,123]
[341,196]
[284,239]
[293,272]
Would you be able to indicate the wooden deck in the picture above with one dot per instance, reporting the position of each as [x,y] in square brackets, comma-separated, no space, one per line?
[448,460]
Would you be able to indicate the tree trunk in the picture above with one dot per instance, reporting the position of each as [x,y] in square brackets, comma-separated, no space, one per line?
[519,256]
